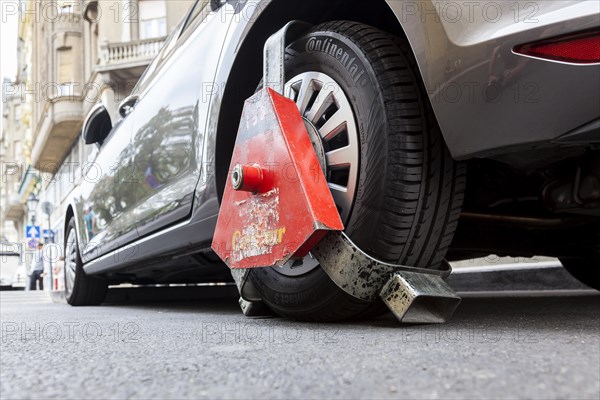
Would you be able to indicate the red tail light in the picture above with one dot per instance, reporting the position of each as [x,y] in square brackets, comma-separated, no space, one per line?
[582,48]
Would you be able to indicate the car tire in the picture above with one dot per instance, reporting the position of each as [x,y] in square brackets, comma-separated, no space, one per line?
[409,190]
[80,289]
[585,270]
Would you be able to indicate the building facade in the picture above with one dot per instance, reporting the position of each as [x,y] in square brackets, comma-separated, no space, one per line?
[15,143]
[76,54]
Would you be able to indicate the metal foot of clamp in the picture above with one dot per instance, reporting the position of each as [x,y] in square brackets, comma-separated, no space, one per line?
[414,295]
[250,301]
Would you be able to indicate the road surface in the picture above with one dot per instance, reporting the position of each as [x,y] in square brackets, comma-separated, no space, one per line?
[494,347]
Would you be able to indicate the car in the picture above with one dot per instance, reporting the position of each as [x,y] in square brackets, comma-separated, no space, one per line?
[451,130]
[13,274]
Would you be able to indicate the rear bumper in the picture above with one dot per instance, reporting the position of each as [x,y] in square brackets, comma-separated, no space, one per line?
[489,101]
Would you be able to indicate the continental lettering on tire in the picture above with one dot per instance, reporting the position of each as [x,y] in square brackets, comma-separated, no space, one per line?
[341,53]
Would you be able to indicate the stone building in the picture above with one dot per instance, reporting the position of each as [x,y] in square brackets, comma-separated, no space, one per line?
[13,147]
[15,144]
[80,52]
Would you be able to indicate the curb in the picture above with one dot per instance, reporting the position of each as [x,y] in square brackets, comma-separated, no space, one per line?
[148,294]
[542,276]
[506,278]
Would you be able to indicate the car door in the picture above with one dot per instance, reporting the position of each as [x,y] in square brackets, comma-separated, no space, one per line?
[170,119]
[106,199]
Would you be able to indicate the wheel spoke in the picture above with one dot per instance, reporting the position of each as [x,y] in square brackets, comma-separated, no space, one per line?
[322,102]
[304,94]
[290,92]
[70,279]
[341,197]
[72,251]
[339,157]
[333,125]
[70,268]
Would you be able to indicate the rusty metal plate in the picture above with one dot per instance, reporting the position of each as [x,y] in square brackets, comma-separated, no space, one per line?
[289,208]
[357,273]
[419,298]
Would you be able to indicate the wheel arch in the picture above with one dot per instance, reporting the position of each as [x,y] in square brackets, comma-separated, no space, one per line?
[246,70]
[68,215]
[72,211]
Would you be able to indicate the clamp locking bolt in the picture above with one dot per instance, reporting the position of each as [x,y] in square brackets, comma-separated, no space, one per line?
[247,178]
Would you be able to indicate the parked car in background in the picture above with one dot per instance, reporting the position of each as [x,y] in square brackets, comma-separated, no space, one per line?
[446,133]
[13,273]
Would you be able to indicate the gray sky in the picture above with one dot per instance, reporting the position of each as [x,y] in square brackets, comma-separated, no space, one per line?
[8,39]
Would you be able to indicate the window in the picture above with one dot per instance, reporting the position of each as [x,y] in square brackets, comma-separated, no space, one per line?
[66,9]
[66,6]
[65,65]
[65,71]
[153,19]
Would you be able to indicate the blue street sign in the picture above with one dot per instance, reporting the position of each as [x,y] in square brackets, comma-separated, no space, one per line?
[32,231]
[48,233]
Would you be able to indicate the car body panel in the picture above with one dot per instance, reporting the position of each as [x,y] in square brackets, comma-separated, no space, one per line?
[488,100]
[156,180]
[166,205]
[105,200]
[169,137]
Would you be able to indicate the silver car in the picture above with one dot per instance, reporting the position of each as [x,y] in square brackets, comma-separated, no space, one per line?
[450,130]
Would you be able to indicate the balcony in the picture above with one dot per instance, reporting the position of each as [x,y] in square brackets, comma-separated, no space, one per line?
[14,209]
[128,60]
[57,128]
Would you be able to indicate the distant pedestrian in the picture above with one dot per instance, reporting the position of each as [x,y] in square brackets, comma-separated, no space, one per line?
[57,273]
[36,269]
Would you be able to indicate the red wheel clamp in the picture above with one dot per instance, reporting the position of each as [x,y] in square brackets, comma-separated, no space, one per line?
[277,206]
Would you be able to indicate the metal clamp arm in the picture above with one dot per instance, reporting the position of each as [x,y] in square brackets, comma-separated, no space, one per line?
[274,54]
[414,295]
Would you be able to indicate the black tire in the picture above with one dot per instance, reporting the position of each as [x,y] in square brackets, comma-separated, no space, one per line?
[87,290]
[409,191]
[585,270]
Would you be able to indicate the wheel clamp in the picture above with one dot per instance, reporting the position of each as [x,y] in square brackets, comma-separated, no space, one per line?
[277,206]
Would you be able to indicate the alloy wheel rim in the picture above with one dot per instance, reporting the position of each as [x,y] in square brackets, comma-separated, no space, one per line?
[323,103]
[70,262]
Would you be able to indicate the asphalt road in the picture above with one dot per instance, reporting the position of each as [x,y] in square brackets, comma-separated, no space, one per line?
[494,347]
